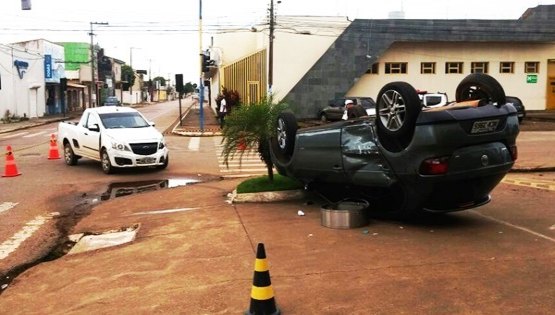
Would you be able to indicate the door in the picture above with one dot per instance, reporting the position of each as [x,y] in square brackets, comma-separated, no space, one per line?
[550,93]
[253,94]
[90,140]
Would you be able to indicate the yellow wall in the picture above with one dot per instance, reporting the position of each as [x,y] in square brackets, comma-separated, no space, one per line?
[533,95]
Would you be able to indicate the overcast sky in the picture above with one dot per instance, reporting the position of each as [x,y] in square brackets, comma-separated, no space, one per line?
[163,37]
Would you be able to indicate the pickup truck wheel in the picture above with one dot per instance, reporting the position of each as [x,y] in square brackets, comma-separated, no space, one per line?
[165,165]
[283,143]
[397,109]
[107,167]
[69,156]
[480,86]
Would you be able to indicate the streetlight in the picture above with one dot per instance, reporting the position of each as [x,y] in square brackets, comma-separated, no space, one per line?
[93,81]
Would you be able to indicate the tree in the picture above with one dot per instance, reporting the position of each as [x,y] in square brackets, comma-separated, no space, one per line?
[161,79]
[250,126]
[128,74]
[188,88]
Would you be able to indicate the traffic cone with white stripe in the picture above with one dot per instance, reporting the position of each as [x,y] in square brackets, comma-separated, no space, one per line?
[10,169]
[53,154]
[262,294]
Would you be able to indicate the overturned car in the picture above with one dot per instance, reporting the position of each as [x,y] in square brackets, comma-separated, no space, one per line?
[408,159]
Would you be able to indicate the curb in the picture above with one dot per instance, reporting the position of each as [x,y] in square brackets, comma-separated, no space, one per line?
[532,169]
[267,196]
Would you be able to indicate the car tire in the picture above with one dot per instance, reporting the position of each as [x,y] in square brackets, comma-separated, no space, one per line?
[69,156]
[397,109]
[480,86]
[283,142]
[323,118]
[165,165]
[107,167]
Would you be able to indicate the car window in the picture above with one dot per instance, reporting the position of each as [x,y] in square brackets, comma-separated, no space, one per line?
[123,120]
[433,100]
[92,120]
[367,103]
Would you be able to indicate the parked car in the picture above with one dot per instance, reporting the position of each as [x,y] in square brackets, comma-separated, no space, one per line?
[519,106]
[336,110]
[117,137]
[408,159]
[432,99]
[111,101]
[367,103]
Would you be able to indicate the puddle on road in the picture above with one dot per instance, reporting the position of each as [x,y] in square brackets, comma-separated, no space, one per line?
[91,241]
[128,188]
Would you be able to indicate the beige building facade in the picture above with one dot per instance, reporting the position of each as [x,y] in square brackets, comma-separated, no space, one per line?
[316,59]
[525,70]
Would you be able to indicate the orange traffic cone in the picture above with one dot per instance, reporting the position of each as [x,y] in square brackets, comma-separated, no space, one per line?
[53,154]
[11,168]
[262,294]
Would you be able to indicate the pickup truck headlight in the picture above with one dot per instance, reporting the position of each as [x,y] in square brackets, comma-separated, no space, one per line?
[120,146]
[161,145]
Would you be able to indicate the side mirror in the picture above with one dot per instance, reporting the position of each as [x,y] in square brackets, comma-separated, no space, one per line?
[152,123]
[94,127]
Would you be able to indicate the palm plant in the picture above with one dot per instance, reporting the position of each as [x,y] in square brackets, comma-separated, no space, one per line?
[249,126]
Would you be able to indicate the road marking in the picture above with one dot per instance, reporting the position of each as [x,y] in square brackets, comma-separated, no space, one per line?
[164,211]
[530,182]
[514,226]
[27,231]
[34,134]
[5,206]
[14,135]
[194,144]
[248,164]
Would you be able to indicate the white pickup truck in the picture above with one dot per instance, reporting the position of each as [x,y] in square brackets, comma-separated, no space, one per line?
[118,137]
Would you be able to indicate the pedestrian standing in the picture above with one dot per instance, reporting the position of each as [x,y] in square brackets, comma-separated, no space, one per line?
[222,112]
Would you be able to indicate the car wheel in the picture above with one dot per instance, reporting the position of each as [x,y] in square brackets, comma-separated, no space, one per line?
[165,165]
[107,167]
[480,86]
[69,156]
[283,142]
[397,109]
[323,118]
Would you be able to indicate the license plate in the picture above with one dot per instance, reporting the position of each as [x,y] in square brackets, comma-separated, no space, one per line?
[484,126]
[146,160]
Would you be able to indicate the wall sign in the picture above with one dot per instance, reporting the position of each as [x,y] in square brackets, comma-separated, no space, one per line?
[21,67]
[532,78]
[48,66]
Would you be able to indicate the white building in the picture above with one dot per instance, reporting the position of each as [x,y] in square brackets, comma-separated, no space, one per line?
[30,75]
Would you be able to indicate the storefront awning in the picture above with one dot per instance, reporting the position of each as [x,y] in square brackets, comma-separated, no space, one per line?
[74,85]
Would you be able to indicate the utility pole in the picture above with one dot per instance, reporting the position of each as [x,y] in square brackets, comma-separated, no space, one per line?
[131,79]
[93,80]
[271,52]
[201,86]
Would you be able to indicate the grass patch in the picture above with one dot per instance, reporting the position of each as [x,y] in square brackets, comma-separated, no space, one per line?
[260,184]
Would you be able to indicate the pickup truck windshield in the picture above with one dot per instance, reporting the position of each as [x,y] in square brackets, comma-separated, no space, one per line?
[123,120]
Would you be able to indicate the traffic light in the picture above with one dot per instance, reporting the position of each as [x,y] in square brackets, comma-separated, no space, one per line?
[207,62]
[179,83]
[25,4]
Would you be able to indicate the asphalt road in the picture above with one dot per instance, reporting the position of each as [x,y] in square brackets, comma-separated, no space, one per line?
[496,259]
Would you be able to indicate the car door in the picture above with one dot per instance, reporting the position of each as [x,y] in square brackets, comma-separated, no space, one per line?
[363,162]
[90,138]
